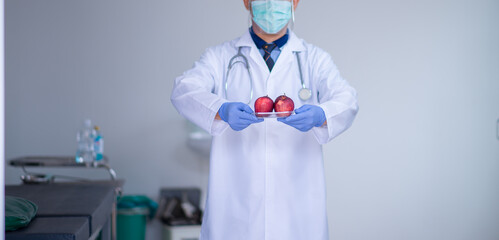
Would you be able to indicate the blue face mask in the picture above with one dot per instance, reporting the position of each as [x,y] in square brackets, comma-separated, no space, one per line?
[271,16]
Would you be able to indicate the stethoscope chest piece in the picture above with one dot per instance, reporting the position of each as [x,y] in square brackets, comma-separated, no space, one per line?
[305,94]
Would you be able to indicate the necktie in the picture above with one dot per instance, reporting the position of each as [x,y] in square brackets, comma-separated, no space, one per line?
[267,48]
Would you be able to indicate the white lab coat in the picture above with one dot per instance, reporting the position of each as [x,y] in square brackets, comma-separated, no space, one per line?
[267,181]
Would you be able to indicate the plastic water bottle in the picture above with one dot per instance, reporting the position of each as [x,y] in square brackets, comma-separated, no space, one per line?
[85,138]
[98,144]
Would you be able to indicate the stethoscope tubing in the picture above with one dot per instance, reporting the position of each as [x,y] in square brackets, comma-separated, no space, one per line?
[232,62]
[245,62]
[299,69]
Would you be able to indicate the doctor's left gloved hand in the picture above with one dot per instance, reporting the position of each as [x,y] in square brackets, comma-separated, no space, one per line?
[238,115]
[306,117]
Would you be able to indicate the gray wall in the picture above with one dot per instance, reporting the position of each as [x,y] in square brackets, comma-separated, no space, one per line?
[2,118]
[420,162]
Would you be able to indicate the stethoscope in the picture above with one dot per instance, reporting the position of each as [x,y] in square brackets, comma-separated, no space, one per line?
[304,93]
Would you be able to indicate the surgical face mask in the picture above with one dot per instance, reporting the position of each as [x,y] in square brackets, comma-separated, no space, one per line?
[271,16]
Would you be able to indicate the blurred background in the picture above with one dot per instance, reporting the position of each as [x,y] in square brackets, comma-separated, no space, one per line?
[421,160]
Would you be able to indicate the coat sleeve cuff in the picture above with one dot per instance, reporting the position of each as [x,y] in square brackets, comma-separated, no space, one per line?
[321,133]
[217,126]
[337,122]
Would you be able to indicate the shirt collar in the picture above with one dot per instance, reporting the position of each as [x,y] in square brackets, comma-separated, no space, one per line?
[260,42]
[294,44]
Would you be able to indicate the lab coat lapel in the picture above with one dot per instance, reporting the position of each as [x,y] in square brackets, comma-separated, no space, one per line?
[255,56]
[287,53]
[285,58]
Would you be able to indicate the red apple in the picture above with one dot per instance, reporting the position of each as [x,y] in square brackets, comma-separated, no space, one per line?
[263,104]
[284,104]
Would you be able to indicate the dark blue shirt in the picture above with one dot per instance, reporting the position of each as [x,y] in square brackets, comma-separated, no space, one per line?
[279,42]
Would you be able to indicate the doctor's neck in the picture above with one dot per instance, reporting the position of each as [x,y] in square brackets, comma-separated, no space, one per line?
[268,38]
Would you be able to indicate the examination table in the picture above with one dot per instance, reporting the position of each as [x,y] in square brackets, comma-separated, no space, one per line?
[67,211]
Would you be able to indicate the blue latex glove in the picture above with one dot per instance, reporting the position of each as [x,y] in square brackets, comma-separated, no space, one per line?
[238,115]
[306,117]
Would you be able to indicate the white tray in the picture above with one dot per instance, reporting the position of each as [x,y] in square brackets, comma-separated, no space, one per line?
[273,114]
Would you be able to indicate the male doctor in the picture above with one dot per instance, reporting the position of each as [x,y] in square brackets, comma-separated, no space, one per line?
[266,176]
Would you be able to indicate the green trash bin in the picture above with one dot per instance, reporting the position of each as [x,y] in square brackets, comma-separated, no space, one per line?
[133,212]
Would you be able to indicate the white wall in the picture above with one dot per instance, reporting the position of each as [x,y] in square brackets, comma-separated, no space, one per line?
[420,162]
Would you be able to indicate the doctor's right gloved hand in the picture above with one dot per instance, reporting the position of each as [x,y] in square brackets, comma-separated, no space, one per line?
[238,115]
